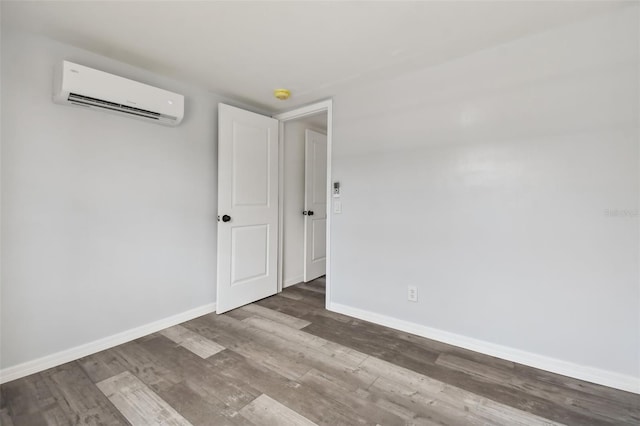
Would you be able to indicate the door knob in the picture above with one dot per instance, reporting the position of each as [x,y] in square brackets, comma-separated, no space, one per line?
[308,212]
[226,218]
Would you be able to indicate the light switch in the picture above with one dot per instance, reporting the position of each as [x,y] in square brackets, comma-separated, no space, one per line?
[337,206]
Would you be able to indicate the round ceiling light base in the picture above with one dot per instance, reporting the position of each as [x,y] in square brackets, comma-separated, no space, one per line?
[282,94]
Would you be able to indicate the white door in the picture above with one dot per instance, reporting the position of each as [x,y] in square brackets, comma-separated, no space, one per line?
[315,205]
[247,207]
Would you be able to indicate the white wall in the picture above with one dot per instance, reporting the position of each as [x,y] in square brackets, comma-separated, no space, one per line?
[108,223]
[486,182]
[293,220]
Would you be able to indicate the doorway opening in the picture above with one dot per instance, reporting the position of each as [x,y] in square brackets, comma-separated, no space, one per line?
[305,147]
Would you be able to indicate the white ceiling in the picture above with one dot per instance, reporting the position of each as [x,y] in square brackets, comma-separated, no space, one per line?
[315,49]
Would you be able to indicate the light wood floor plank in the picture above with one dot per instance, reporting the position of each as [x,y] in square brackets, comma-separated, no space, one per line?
[397,348]
[232,334]
[275,316]
[267,411]
[460,399]
[347,355]
[294,394]
[307,357]
[411,415]
[388,393]
[139,404]
[202,411]
[332,388]
[194,342]
[291,295]
[598,408]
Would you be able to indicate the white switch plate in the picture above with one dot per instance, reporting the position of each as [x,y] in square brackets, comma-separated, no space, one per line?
[337,206]
[412,293]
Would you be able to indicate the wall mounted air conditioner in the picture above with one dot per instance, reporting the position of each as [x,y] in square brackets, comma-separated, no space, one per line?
[85,87]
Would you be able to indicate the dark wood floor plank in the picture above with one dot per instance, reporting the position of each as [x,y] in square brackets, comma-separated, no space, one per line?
[102,365]
[5,418]
[286,305]
[198,375]
[79,398]
[26,399]
[183,380]
[239,314]
[311,287]
[144,364]
[317,300]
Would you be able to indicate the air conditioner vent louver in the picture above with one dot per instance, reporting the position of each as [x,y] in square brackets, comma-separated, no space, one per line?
[82,86]
[86,100]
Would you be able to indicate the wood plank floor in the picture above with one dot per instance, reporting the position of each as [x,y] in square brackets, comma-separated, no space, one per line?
[285,360]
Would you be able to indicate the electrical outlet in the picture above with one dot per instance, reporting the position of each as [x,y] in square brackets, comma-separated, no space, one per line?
[412,293]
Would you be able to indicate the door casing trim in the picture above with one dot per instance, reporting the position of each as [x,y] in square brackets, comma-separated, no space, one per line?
[315,108]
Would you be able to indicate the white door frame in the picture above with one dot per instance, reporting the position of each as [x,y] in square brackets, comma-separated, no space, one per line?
[319,107]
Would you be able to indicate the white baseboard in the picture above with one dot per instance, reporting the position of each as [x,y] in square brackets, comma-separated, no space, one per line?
[53,360]
[565,368]
[292,281]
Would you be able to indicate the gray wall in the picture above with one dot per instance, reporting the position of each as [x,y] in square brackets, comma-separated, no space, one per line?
[108,223]
[505,186]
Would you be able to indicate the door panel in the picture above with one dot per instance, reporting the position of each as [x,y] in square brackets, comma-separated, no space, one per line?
[248,198]
[315,250]
[250,165]
[250,253]
[319,252]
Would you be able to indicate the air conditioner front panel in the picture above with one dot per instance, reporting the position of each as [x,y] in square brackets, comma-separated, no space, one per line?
[84,86]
